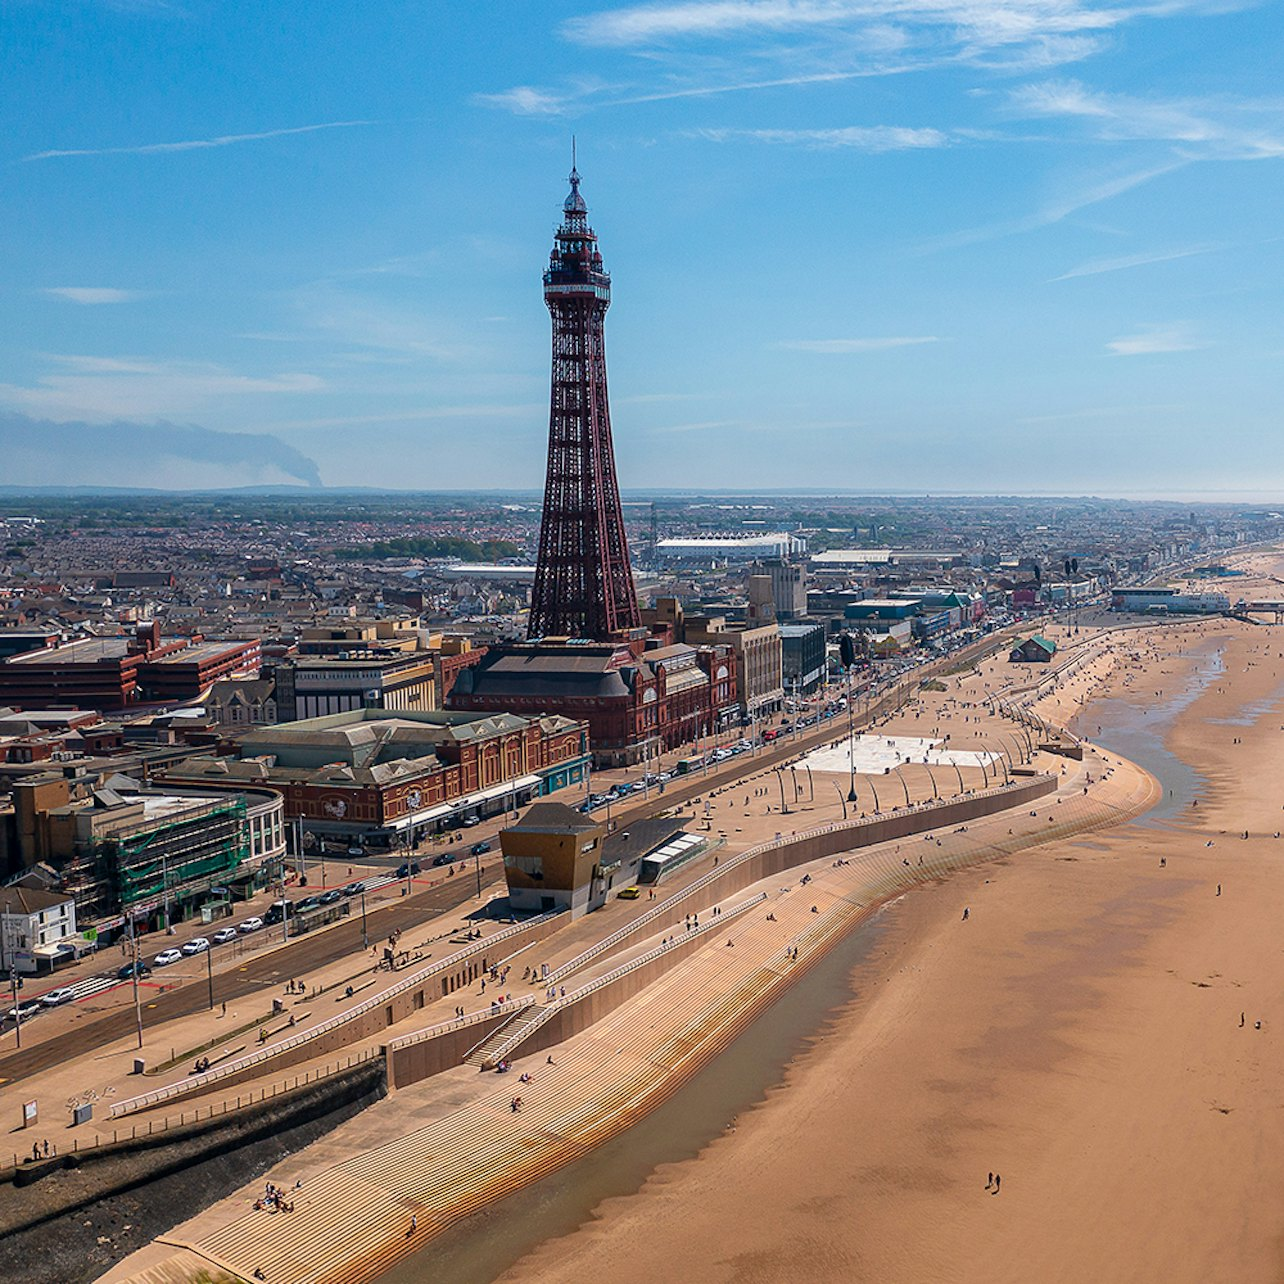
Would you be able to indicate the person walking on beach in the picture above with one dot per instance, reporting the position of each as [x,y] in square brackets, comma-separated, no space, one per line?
[966,912]
[1241,1020]
[997,1181]
[414,1225]
[1219,889]
[989,1181]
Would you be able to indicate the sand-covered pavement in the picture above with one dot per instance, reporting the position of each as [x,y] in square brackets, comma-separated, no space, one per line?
[1080,1035]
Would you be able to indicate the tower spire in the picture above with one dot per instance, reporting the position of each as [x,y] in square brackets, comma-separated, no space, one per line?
[583,579]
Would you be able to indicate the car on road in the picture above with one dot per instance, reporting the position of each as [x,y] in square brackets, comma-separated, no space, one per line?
[446,858]
[197,945]
[57,997]
[308,903]
[26,1009]
[330,897]
[630,893]
[479,849]
[166,957]
[126,973]
[224,934]
[253,924]
[353,889]
[404,871]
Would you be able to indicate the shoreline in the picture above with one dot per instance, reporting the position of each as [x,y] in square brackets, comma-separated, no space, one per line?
[1043,1007]
[1109,804]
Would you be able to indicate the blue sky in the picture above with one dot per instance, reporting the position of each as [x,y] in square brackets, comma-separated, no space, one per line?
[979,245]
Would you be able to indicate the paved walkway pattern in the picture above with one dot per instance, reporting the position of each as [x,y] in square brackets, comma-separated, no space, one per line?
[352,1219]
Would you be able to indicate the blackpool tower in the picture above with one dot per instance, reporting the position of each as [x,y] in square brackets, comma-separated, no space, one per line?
[583,581]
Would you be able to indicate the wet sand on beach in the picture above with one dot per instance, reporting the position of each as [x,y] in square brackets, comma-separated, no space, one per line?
[1079,1035]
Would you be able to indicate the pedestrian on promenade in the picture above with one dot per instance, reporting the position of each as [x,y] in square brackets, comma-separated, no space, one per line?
[414,1225]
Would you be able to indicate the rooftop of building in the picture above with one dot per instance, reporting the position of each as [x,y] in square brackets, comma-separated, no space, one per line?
[200,652]
[28,900]
[553,818]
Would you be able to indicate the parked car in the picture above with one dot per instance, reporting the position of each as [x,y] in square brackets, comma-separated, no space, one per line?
[469,821]
[166,957]
[353,889]
[126,973]
[356,851]
[250,925]
[308,903]
[224,934]
[480,849]
[57,997]
[197,945]
[330,897]
[630,893]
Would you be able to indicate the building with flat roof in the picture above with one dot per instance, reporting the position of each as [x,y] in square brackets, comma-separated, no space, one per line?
[316,686]
[730,548]
[108,673]
[802,656]
[128,852]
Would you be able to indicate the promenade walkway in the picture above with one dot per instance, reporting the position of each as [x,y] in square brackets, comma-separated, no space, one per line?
[352,1214]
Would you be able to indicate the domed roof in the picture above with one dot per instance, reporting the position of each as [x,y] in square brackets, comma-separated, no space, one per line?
[574,203]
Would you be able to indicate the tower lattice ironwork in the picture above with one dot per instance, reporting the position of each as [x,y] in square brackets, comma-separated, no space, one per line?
[583,580]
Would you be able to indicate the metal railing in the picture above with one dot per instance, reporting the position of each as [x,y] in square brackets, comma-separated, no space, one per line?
[195,1083]
[734,862]
[460,1023]
[518,1036]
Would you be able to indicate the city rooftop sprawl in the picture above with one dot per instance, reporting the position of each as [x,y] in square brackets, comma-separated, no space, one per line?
[316,670]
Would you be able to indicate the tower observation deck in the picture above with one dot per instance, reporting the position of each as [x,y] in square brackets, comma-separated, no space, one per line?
[583,580]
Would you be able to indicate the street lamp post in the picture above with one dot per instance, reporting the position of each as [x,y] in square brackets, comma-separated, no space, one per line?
[138,1001]
[209,975]
[365,935]
[13,982]
[851,745]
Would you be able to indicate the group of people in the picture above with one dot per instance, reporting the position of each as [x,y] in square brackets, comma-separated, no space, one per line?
[202,1064]
[273,1199]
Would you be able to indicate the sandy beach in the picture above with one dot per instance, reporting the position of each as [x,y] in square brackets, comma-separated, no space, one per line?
[1080,1035]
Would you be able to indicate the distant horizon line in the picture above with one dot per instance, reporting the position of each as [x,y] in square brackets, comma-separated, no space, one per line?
[1153,495]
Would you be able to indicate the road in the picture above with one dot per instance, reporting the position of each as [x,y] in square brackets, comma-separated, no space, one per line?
[253,976]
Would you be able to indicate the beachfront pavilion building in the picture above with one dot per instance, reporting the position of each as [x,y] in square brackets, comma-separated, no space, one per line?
[1034,650]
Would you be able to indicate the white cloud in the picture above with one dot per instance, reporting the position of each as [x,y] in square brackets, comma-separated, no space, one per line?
[866,138]
[90,295]
[1056,209]
[1153,340]
[526,100]
[194,144]
[1225,129]
[105,388]
[856,345]
[975,24]
[1096,267]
